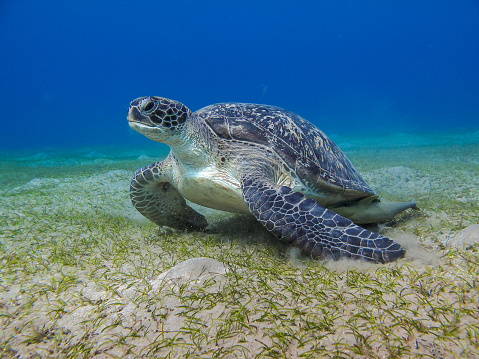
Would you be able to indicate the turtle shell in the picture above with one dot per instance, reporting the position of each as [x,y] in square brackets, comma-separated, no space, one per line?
[313,157]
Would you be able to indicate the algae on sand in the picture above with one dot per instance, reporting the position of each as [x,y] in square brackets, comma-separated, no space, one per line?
[81,269]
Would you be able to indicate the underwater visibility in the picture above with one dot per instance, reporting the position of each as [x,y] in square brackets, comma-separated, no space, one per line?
[307,188]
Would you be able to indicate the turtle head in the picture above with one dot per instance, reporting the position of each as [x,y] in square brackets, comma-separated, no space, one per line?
[158,118]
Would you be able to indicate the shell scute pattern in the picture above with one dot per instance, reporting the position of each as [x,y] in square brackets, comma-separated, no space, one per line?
[306,149]
[220,126]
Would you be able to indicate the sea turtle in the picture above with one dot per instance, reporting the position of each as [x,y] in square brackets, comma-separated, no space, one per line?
[261,160]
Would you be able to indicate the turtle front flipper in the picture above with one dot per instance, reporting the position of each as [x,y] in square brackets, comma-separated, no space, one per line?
[317,231]
[156,199]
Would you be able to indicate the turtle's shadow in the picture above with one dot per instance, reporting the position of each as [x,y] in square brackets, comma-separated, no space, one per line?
[246,226]
[234,225]
[246,229]
[243,227]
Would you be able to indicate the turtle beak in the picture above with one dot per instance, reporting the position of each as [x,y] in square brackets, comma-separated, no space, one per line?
[134,116]
[142,123]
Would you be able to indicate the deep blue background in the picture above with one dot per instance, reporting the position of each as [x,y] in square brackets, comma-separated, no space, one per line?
[69,68]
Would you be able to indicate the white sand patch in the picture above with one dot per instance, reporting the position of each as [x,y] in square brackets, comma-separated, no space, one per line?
[36,157]
[347,264]
[95,154]
[145,158]
[36,183]
[401,181]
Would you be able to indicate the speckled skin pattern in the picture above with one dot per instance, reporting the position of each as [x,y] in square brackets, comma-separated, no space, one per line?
[255,159]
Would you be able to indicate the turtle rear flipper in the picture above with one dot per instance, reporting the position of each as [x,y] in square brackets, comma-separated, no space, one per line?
[372,210]
[317,231]
[156,199]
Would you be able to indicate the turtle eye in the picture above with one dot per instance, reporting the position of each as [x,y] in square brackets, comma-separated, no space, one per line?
[148,106]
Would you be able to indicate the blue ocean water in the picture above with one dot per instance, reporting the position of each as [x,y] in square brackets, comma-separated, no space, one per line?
[69,69]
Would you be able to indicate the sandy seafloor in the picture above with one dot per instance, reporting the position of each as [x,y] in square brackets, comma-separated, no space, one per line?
[84,275]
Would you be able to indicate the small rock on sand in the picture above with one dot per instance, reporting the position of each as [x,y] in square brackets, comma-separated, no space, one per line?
[191,269]
[465,237]
[196,270]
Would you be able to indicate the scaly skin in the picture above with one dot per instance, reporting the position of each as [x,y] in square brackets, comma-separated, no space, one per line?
[317,231]
[156,199]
